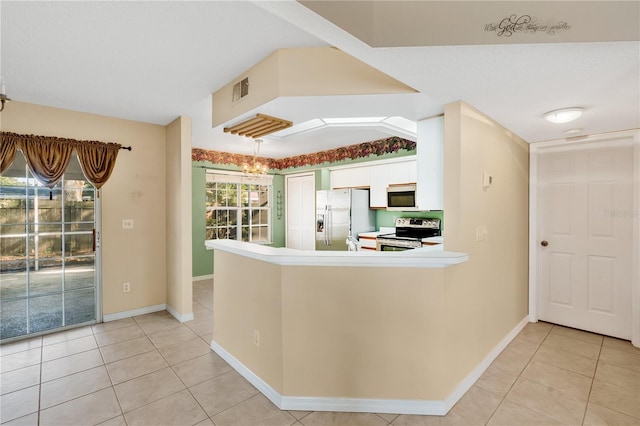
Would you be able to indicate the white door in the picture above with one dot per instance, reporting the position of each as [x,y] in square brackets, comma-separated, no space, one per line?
[301,211]
[585,238]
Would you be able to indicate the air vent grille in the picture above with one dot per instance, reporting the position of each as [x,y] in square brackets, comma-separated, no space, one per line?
[240,90]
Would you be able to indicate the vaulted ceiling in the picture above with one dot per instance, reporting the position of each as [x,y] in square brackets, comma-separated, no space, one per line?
[153,61]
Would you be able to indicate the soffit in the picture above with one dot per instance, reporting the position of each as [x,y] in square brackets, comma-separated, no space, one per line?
[302,72]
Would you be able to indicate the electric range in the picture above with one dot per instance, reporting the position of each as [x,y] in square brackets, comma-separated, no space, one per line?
[409,234]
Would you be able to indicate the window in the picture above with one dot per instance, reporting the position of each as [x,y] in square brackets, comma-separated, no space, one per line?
[238,208]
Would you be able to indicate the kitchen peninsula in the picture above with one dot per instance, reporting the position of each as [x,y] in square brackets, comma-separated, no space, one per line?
[344,331]
[384,332]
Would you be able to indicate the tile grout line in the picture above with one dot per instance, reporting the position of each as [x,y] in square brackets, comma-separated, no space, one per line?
[189,390]
[377,414]
[519,375]
[40,381]
[113,389]
[593,379]
[80,396]
[228,372]
[181,381]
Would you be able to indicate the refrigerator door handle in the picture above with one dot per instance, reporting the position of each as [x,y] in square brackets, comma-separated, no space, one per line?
[330,226]
[326,225]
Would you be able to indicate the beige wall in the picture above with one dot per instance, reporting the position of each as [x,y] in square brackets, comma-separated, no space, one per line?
[325,71]
[333,331]
[179,288]
[486,297]
[136,190]
[362,332]
[247,297]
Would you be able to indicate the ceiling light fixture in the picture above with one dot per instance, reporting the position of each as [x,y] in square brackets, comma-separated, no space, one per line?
[563,115]
[3,95]
[255,167]
[572,131]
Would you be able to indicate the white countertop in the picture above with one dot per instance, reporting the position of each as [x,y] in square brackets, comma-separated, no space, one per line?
[374,234]
[416,258]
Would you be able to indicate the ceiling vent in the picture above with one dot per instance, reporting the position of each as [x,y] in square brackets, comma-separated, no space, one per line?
[258,126]
[240,89]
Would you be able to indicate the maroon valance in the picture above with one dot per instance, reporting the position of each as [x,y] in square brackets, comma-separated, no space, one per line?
[48,157]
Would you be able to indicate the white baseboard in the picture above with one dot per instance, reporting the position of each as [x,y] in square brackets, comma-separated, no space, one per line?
[180,317]
[256,381]
[475,374]
[133,312]
[362,405]
[202,278]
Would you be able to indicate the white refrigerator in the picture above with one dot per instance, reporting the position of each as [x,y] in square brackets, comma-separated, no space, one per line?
[340,213]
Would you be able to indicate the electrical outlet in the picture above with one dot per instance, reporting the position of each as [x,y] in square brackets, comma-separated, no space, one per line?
[127,223]
[256,337]
[126,287]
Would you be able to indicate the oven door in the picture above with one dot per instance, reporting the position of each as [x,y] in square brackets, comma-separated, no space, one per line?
[391,246]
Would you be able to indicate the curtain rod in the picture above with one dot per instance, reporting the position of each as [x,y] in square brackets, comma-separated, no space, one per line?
[128,148]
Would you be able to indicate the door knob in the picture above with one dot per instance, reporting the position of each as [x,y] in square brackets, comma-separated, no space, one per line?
[544,243]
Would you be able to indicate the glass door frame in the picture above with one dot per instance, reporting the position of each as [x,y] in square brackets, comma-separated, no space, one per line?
[33,191]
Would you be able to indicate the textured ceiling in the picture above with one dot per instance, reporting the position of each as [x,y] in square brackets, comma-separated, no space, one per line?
[153,61]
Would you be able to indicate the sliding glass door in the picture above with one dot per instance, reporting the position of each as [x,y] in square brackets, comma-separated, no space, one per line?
[49,252]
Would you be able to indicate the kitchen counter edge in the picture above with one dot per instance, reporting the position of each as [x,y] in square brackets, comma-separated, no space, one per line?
[416,258]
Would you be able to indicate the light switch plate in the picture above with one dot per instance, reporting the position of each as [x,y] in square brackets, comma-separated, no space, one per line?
[481,233]
[127,223]
[487,180]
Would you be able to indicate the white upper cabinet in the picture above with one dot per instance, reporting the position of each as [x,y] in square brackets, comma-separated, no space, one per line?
[355,177]
[430,164]
[404,172]
[360,177]
[376,177]
[379,179]
[340,178]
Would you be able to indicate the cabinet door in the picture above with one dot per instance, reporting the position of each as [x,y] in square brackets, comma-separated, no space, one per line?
[359,177]
[379,179]
[403,172]
[340,178]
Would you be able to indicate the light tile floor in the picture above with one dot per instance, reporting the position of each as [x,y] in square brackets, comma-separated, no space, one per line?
[153,370]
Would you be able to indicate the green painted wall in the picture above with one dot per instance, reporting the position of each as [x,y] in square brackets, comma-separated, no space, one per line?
[278,212]
[202,260]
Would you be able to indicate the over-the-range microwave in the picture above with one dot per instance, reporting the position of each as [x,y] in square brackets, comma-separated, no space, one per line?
[401,197]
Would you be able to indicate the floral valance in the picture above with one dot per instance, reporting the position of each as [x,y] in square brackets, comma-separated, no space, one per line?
[48,157]
[351,152]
